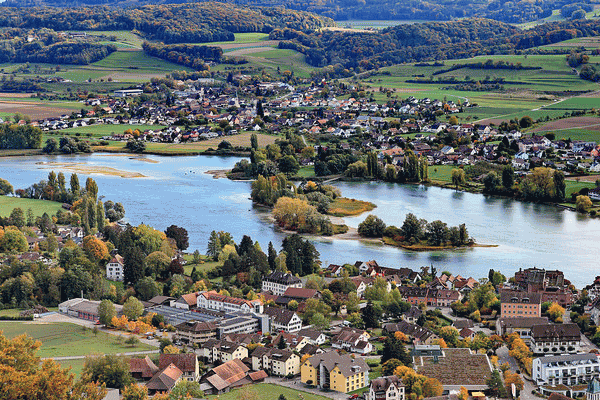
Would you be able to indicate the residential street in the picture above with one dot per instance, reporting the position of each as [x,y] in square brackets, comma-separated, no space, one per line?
[528,385]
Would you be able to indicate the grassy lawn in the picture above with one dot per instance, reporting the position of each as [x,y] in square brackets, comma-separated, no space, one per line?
[39,207]
[266,391]
[440,173]
[64,339]
[306,172]
[205,264]
[242,38]
[344,207]
[75,365]
[574,186]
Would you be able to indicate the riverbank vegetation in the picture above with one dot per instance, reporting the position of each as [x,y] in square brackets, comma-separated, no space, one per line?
[304,209]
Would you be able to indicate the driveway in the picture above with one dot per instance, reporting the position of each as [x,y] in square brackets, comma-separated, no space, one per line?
[528,385]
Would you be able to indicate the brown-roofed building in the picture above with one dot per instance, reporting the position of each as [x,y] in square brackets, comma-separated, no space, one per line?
[114,268]
[300,294]
[142,368]
[186,301]
[278,282]
[386,388]
[165,380]
[275,361]
[195,332]
[222,350]
[520,325]
[353,340]
[416,332]
[283,320]
[226,376]
[520,304]
[186,362]
[314,336]
[555,339]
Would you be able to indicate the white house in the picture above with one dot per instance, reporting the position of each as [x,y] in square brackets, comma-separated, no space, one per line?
[211,300]
[386,388]
[283,320]
[278,282]
[114,269]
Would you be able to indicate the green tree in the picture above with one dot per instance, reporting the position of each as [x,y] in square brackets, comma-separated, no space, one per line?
[13,241]
[17,217]
[111,370]
[185,390]
[458,177]
[319,321]
[254,141]
[106,312]
[583,203]
[133,308]
[412,227]
[560,186]
[490,182]
[437,232]
[526,121]
[508,177]
[180,235]
[214,246]
[147,288]
[5,187]
[75,187]
[394,349]
[371,314]
[372,227]
[289,165]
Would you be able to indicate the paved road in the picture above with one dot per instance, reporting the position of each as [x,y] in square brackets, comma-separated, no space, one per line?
[528,385]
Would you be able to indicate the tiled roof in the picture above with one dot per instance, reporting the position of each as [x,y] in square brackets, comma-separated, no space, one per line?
[144,366]
[166,379]
[185,362]
[555,332]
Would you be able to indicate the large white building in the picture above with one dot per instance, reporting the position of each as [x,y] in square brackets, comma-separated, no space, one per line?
[114,269]
[283,320]
[211,300]
[568,370]
[555,339]
[278,282]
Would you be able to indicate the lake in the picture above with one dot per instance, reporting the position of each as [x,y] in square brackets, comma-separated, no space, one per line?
[176,190]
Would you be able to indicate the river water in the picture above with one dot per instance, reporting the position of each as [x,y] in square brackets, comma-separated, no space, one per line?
[176,190]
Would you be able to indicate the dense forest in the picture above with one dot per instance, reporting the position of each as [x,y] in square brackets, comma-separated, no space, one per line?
[47,46]
[344,53]
[191,23]
[185,54]
[443,10]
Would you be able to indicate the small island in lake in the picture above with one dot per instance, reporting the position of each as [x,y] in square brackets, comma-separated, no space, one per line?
[418,234]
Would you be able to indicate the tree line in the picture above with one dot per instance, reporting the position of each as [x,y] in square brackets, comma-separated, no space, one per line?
[20,137]
[173,23]
[347,53]
[184,54]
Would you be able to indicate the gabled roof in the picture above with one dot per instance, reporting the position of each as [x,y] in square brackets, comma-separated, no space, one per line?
[280,315]
[348,366]
[185,362]
[282,278]
[190,299]
[166,379]
[383,383]
[555,332]
[300,293]
[230,372]
[143,366]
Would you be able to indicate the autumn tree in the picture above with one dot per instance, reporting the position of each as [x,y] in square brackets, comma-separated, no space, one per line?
[583,203]
[23,376]
[135,391]
[555,312]
[95,248]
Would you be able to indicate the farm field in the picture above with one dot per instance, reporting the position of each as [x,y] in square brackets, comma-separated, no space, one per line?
[268,391]
[64,339]
[583,123]
[104,130]
[240,38]
[39,207]
[124,39]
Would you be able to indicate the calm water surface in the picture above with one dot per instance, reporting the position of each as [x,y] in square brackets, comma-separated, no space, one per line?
[176,190]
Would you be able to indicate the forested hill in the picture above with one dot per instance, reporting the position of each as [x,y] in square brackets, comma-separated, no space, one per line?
[173,23]
[440,10]
[345,53]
